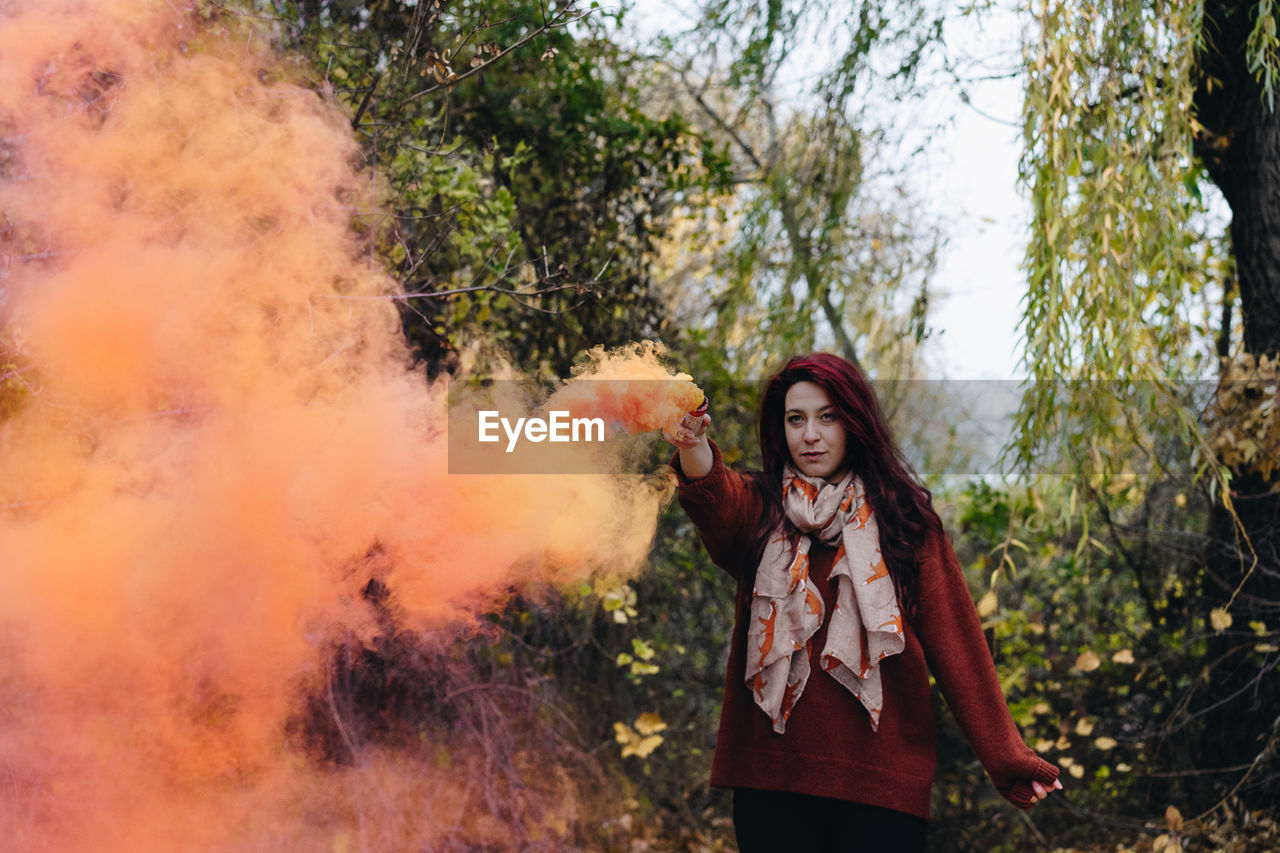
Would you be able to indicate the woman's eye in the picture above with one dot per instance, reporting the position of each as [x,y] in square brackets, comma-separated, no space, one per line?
[828,417]
[795,420]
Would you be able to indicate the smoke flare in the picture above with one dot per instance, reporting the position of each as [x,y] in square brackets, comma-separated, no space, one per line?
[629,386]
[225,425]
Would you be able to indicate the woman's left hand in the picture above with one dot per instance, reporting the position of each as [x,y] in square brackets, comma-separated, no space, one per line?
[1042,791]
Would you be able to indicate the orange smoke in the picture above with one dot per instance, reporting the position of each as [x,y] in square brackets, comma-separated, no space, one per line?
[224,422]
[630,387]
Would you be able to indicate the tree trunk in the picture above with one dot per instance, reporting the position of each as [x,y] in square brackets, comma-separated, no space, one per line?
[1240,146]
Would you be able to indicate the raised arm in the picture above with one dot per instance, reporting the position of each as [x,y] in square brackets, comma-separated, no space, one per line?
[693,448]
[722,504]
[951,636]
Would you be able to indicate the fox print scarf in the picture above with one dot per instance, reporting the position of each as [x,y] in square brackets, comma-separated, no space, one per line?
[787,608]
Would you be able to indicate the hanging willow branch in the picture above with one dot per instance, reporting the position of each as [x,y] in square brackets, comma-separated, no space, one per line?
[1121,250]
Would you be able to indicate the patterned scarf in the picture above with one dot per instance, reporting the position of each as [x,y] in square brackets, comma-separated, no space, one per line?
[787,609]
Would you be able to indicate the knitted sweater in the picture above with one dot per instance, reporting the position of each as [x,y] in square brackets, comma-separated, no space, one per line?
[829,748]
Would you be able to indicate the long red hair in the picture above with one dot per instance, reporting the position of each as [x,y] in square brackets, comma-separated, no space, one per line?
[902,505]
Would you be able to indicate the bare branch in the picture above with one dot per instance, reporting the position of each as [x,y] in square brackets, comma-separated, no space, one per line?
[364,102]
[562,18]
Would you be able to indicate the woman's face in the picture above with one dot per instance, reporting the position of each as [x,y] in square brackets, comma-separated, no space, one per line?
[815,436]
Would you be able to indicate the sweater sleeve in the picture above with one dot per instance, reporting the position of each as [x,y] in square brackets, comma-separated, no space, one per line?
[951,636]
[724,506]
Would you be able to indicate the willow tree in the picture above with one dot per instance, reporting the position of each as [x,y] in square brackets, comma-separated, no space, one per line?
[1134,112]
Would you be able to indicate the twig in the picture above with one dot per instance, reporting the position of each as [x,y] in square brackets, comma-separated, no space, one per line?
[528,37]
[724,125]
[400,297]
[1268,749]
[364,102]
[342,729]
[1031,825]
[240,14]
[1175,774]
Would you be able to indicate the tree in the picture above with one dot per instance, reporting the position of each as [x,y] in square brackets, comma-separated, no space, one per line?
[528,182]
[807,252]
[1132,113]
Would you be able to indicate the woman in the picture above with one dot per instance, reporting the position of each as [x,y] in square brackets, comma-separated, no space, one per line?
[848,596]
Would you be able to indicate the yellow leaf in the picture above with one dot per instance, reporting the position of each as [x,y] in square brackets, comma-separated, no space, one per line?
[1084,727]
[1123,656]
[643,747]
[1043,745]
[1219,619]
[1123,767]
[1161,844]
[1087,662]
[633,743]
[988,605]
[1173,818]
[649,723]
[1062,743]
[1105,743]
[1076,771]
[1041,708]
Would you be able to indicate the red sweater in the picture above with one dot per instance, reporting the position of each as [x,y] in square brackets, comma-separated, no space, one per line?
[829,749]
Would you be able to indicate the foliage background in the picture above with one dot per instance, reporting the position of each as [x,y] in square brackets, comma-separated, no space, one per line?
[554,186]
[558,185]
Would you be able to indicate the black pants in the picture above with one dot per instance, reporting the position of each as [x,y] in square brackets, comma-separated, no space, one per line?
[781,822]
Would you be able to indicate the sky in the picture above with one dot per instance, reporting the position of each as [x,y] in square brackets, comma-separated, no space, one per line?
[979,279]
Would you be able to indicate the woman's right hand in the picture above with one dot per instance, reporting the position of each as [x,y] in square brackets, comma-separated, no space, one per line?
[690,438]
[690,433]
